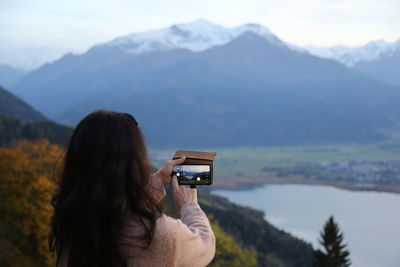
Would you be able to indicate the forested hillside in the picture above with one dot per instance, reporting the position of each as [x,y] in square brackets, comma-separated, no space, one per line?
[13,129]
[13,106]
[274,247]
[18,120]
[247,228]
[27,182]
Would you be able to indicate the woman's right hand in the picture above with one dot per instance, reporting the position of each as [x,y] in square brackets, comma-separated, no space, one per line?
[183,195]
[165,172]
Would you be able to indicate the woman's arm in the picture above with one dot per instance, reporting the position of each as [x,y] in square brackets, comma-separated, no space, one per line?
[202,237]
[190,239]
[194,238]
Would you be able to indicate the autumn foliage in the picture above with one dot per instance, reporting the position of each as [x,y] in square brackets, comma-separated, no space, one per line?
[27,182]
[28,171]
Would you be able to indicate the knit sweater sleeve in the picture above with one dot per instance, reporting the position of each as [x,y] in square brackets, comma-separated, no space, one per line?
[194,239]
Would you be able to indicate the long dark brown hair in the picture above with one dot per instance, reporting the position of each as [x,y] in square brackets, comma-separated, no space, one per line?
[104,177]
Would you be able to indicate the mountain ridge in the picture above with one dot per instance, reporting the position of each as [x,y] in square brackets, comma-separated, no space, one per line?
[10,75]
[350,56]
[195,36]
[295,98]
[195,28]
[379,59]
[13,106]
[18,120]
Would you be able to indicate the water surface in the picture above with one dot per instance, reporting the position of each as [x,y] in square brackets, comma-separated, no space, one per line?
[370,220]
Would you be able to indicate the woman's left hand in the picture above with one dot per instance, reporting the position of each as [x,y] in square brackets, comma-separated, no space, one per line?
[165,172]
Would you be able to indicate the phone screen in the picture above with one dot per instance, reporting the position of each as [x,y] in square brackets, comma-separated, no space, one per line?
[193,174]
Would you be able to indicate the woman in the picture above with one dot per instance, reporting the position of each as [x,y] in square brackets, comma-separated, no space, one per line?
[107,209]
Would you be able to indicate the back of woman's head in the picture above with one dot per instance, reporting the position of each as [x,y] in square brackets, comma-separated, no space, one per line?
[104,180]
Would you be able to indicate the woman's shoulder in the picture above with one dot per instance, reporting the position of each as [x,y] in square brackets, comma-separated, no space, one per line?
[166,224]
[169,229]
[192,221]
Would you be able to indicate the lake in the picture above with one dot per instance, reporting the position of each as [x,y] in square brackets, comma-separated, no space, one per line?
[370,221]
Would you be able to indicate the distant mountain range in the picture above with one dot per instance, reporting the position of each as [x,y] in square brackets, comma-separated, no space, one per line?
[350,56]
[197,36]
[378,59]
[200,84]
[9,75]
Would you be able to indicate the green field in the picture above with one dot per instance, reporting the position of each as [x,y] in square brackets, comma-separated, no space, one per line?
[248,160]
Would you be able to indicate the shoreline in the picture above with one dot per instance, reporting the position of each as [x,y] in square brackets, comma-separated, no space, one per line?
[250,182]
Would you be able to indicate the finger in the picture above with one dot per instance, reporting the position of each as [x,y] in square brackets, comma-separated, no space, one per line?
[175,185]
[178,161]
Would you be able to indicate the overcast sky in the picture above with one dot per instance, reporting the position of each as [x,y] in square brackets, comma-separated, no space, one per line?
[75,25]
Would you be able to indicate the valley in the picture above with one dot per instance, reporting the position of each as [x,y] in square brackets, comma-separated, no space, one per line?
[367,167]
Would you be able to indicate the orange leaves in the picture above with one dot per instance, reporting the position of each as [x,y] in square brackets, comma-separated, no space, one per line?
[27,175]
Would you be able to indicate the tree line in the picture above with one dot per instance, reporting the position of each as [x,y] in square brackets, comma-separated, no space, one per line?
[12,129]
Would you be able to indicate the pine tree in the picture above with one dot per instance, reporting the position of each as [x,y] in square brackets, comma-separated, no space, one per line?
[335,254]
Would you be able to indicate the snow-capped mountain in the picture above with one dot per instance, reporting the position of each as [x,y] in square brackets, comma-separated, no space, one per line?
[196,36]
[350,56]
[252,90]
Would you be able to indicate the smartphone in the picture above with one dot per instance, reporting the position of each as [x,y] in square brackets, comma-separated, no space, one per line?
[193,174]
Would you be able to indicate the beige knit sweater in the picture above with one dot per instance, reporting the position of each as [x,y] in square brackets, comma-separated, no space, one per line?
[188,241]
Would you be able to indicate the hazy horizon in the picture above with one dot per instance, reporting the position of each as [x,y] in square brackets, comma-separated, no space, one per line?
[37,32]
